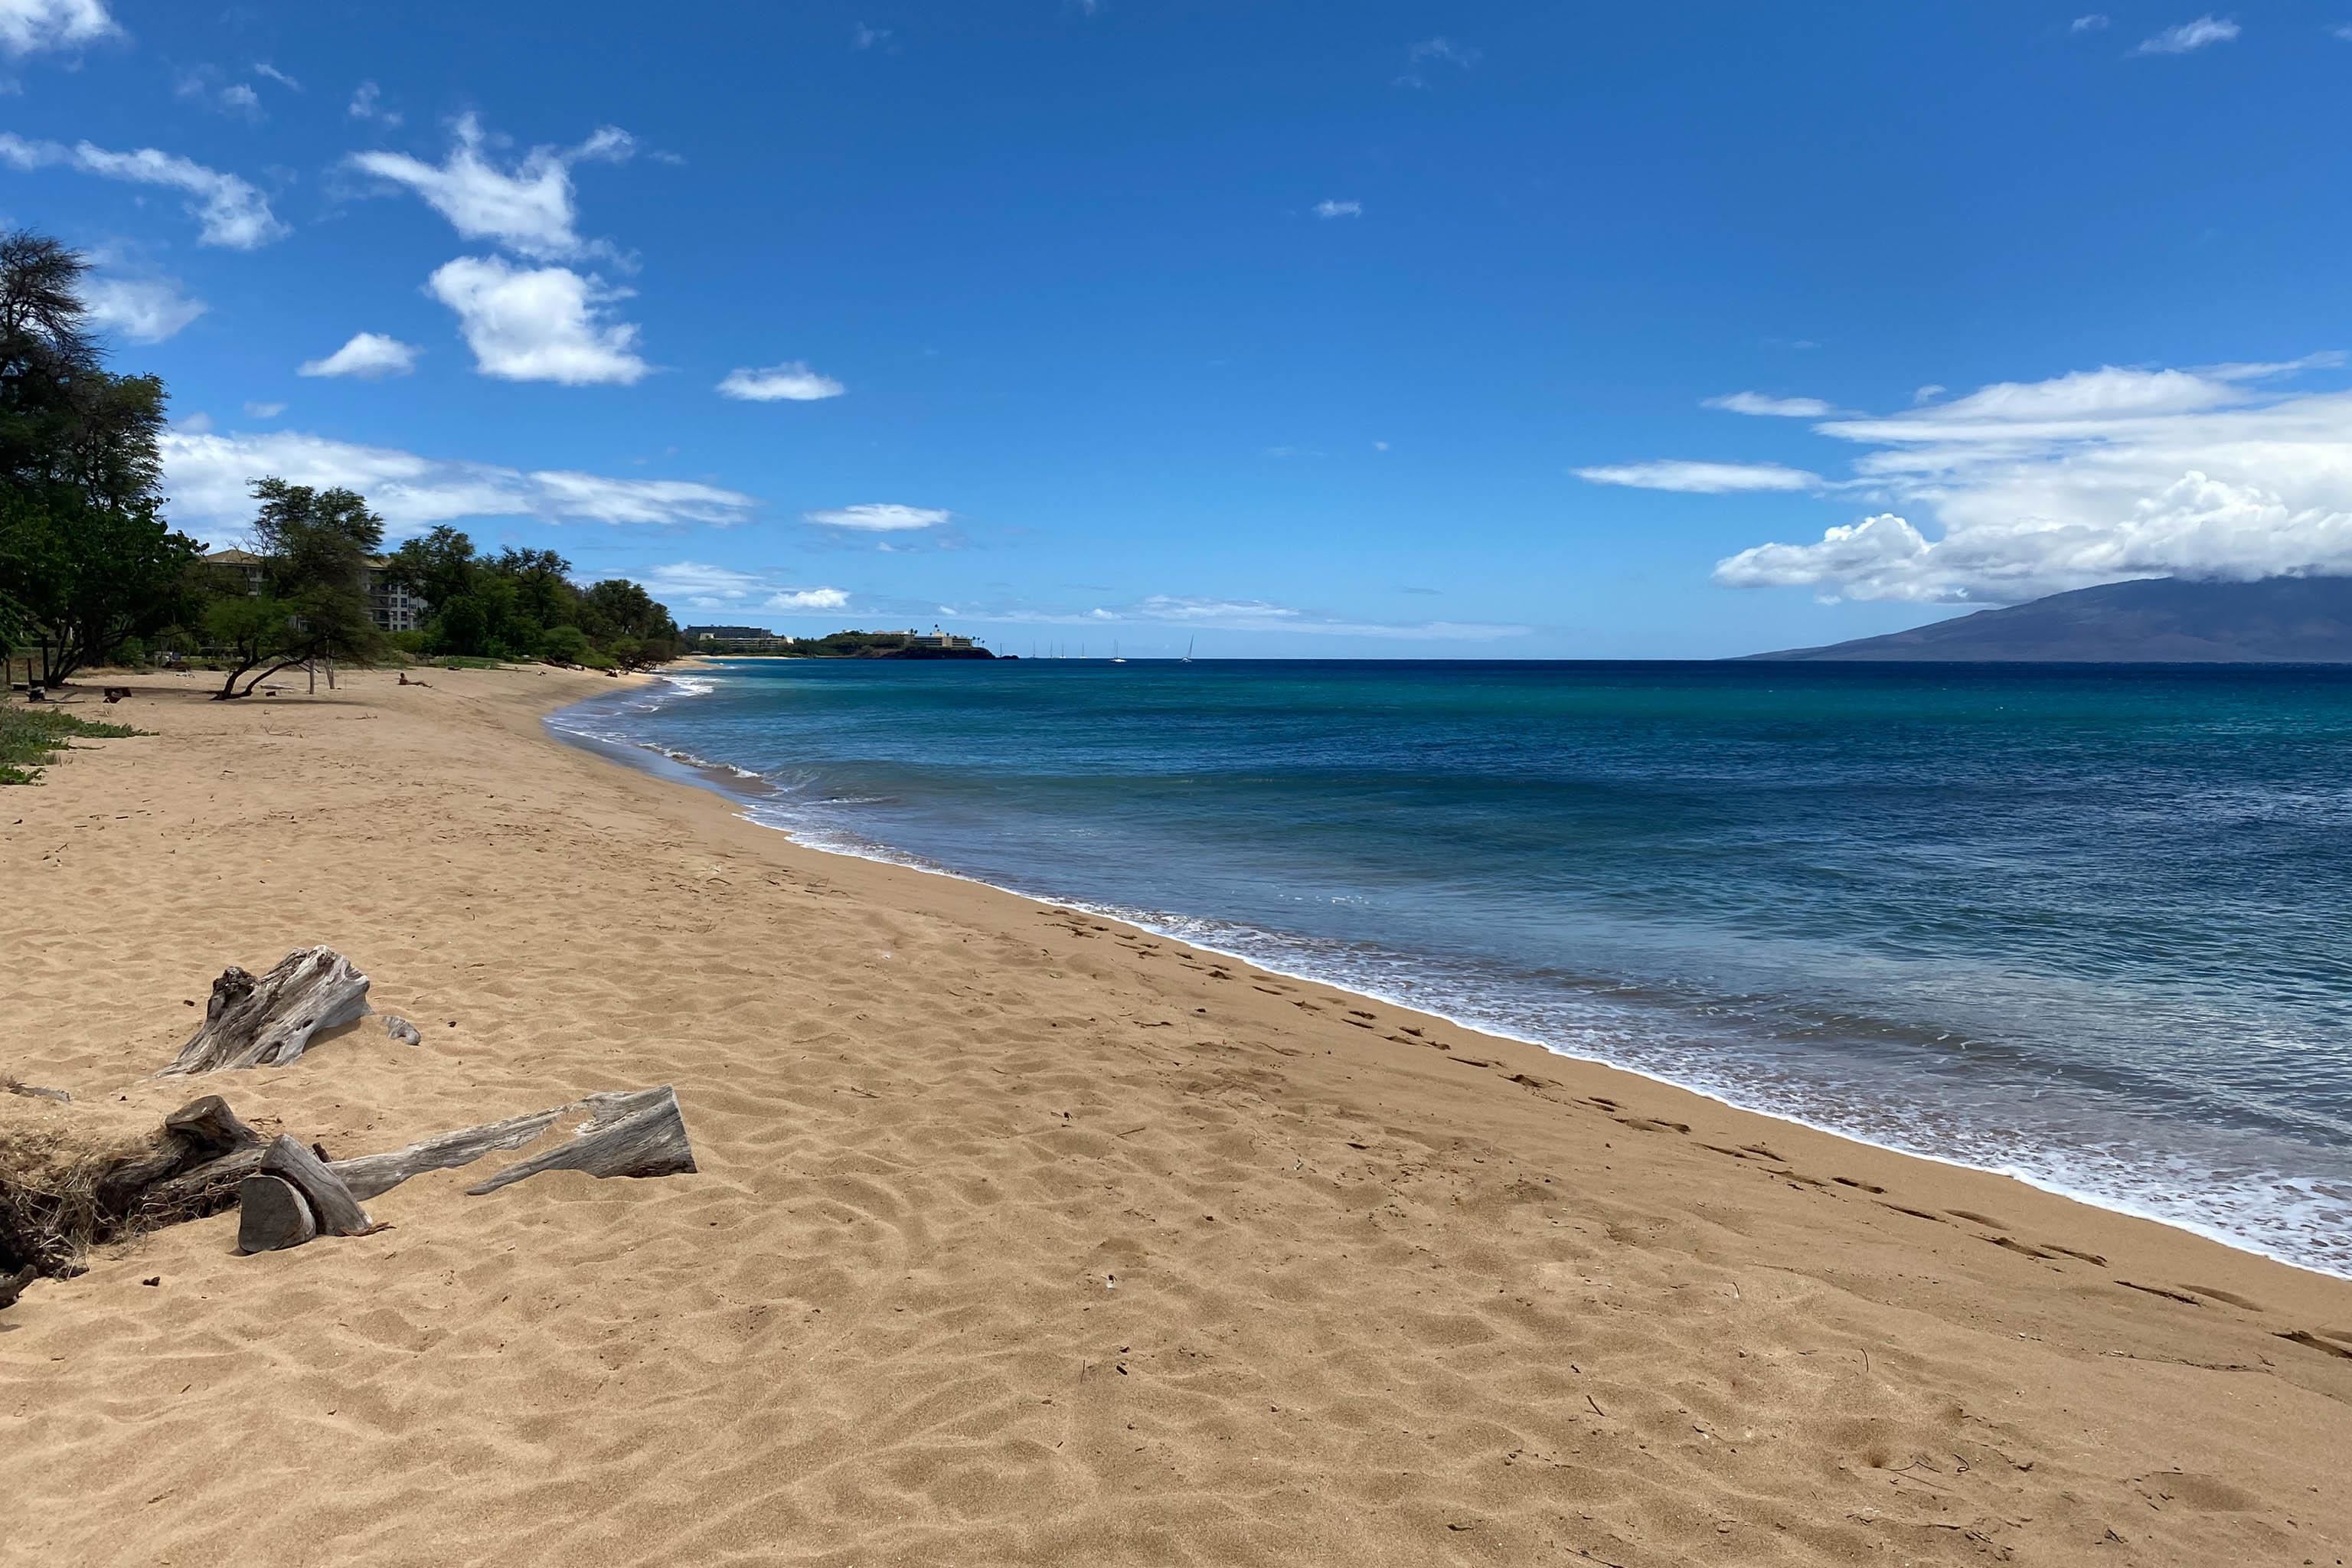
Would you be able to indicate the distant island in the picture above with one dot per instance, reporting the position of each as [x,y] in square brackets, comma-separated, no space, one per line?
[2163,620]
[736,641]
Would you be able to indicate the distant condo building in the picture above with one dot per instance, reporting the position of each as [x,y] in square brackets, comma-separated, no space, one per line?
[393,607]
[730,634]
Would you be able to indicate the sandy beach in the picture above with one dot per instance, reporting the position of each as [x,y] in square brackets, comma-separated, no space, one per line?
[1018,1235]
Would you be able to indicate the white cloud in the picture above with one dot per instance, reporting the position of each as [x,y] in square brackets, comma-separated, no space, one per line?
[27,26]
[2096,22]
[1701,479]
[367,104]
[1252,615]
[369,356]
[792,382]
[2034,488]
[229,212]
[694,585]
[1329,208]
[1444,49]
[879,517]
[546,323]
[528,209]
[2189,36]
[264,410]
[265,69]
[1774,407]
[208,476]
[808,599]
[144,310]
[866,38]
[204,85]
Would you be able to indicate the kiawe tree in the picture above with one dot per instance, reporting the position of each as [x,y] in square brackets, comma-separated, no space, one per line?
[315,547]
[87,561]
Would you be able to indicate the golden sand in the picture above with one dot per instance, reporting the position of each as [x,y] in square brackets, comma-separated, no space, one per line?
[1020,1237]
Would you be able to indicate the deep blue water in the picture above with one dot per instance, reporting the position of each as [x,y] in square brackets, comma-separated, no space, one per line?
[2083,925]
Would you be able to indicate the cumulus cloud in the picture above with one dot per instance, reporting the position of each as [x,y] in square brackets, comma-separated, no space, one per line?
[369,356]
[792,382]
[879,517]
[1771,407]
[545,323]
[228,211]
[2032,487]
[207,88]
[694,585]
[2189,37]
[208,476]
[29,25]
[528,209]
[1701,479]
[144,310]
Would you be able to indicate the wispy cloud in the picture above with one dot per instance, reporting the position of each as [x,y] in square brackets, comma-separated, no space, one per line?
[545,323]
[371,356]
[694,585]
[2091,476]
[1330,209]
[27,26]
[2096,22]
[879,517]
[1701,479]
[268,72]
[2190,36]
[865,38]
[792,382]
[1435,51]
[529,209]
[264,410]
[367,104]
[228,211]
[207,88]
[208,476]
[1772,407]
[143,310]
[1199,614]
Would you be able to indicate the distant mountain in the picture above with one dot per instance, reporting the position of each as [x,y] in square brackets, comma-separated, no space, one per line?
[2166,620]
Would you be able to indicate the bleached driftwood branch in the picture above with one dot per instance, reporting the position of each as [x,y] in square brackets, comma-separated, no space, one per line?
[638,1132]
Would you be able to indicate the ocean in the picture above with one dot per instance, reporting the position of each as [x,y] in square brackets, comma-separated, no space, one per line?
[2084,925]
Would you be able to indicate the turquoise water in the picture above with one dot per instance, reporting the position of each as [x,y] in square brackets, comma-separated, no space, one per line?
[2081,925]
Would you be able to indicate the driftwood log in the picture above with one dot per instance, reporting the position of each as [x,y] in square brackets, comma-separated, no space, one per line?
[268,1021]
[404,1031]
[34,1091]
[331,1204]
[369,1174]
[272,1214]
[636,1133]
[13,1285]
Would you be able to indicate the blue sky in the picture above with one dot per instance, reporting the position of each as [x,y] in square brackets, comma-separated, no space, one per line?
[1391,330]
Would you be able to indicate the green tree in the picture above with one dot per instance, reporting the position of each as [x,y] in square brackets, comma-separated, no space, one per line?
[85,560]
[315,545]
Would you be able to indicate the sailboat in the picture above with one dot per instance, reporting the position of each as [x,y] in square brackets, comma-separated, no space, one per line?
[1188,649]
[1114,655]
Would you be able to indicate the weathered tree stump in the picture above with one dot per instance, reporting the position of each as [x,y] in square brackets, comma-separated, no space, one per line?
[272,1214]
[638,1132]
[269,1021]
[331,1204]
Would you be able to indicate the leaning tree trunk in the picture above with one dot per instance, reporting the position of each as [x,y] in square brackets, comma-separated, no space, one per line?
[269,1022]
[635,1133]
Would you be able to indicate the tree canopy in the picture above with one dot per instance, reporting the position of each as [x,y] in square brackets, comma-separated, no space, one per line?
[87,561]
[522,603]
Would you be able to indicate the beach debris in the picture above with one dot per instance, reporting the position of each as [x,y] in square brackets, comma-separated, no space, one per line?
[269,1021]
[13,1285]
[369,1174]
[401,1029]
[271,1215]
[639,1133]
[35,1091]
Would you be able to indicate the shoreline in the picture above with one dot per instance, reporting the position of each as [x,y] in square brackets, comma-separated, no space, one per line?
[1021,1234]
[703,774]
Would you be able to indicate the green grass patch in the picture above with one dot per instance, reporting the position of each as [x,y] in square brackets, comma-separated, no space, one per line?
[31,738]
